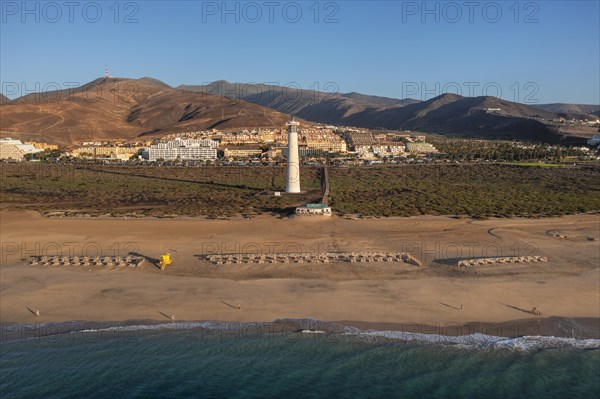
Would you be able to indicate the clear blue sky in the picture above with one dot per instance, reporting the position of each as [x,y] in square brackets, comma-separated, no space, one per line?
[544,51]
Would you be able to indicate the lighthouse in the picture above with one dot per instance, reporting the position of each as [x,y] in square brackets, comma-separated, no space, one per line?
[293,163]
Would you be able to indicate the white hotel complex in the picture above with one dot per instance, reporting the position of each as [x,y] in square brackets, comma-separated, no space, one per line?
[183,149]
[15,150]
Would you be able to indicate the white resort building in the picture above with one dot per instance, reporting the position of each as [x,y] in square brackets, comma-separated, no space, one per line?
[15,150]
[183,149]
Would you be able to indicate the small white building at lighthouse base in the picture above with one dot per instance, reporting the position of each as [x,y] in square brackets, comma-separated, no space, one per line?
[314,209]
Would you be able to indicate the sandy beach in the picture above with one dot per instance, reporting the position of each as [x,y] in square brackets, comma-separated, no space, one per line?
[374,295]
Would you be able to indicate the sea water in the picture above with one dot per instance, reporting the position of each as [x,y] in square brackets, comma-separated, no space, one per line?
[252,360]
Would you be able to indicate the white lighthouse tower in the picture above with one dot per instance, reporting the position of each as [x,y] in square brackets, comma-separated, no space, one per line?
[293,163]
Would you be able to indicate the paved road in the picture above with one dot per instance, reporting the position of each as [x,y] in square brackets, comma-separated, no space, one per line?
[325,185]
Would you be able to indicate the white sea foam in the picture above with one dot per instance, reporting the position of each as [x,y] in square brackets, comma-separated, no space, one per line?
[476,341]
[473,341]
[526,343]
[209,325]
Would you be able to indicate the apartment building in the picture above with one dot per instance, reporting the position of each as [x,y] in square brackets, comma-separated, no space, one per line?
[15,150]
[420,148]
[242,152]
[188,149]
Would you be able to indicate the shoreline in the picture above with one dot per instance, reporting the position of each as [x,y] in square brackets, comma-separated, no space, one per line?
[547,327]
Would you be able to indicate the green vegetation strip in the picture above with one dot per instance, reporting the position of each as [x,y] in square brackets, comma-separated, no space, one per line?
[148,191]
[479,190]
[471,190]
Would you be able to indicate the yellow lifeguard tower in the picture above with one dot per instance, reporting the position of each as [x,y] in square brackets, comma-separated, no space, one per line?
[165,260]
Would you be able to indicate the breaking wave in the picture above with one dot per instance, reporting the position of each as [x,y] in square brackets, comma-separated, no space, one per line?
[11,331]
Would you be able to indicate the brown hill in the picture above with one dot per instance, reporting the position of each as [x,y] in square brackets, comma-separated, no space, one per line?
[155,81]
[380,100]
[322,107]
[446,114]
[115,108]
[583,109]
[3,99]
[488,117]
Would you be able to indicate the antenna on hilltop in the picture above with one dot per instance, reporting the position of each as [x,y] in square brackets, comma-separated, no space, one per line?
[106,74]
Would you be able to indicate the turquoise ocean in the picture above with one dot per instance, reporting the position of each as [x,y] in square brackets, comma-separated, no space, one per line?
[252,360]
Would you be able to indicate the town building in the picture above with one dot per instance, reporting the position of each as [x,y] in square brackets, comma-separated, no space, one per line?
[418,137]
[420,148]
[374,151]
[322,139]
[242,152]
[243,137]
[332,147]
[360,139]
[189,149]
[15,150]
[276,152]
[93,151]
[42,146]
[303,152]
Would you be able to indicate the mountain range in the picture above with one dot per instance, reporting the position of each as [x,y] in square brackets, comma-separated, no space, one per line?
[322,107]
[445,114]
[571,108]
[109,108]
[116,108]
